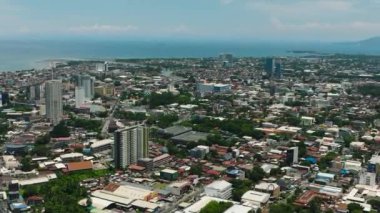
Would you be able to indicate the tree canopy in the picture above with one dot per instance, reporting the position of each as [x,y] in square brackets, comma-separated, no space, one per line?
[216,207]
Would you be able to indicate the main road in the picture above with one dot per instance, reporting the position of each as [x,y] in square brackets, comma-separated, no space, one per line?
[107,121]
[196,192]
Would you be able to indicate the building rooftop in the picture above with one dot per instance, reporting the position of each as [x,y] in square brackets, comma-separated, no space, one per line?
[238,209]
[219,185]
[171,171]
[197,206]
[266,186]
[176,130]
[255,196]
[76,166]
[191,136]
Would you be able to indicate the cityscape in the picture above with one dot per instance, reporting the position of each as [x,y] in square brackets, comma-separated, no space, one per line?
[228,132]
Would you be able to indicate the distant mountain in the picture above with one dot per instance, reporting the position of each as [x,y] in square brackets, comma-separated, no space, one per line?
[370,42]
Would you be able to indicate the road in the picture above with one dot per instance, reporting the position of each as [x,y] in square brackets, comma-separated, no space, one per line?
[107,121]
[187,197]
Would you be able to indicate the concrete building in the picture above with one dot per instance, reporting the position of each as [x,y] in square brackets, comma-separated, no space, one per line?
[105,90]
[79,97]
[271,188]
[97,146]
[307,121]
[53,93]
[292,155]
[10,162]
[220,189]
[179,188]
[87,82]
[204,88]
[130,144]
[269,67]
[255,198]
[367,178]
[169,174]
[147,163]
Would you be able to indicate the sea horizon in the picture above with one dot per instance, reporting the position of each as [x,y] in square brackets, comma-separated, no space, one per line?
[36,54]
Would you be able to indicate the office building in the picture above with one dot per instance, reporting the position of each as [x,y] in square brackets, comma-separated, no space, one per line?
[4,98]
[278,70]
[79,96]
[34,92]
[130,144]
[87,82]
[220,189]
[53,93]
[270,66]
[292,155]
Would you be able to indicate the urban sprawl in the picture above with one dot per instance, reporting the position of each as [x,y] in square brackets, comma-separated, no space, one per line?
[192,135]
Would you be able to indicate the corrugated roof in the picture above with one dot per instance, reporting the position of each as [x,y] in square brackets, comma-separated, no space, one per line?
[76,166]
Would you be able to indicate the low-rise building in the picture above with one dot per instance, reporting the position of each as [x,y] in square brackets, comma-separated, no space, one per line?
[169,174]
[271,188]
[255,198]
[220,188]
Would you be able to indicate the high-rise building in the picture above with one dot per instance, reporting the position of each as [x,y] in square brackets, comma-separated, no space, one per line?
[53,93]
[4,98]
[131,144]
[34,92]
[87,82]
[278,70]
[79,96]
[270,64]
[292,155]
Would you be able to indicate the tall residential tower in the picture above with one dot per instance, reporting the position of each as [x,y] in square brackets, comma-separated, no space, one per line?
[131,144]
[53,93]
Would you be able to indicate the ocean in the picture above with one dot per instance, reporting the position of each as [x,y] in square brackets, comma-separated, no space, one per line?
[19,55]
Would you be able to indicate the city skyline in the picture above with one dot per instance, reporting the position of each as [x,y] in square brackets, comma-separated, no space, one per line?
[320,20]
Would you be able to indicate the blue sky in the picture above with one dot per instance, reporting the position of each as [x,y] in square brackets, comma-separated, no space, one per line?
[317,20]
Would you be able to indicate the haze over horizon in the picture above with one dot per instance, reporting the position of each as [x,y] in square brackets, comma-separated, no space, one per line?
[244,20]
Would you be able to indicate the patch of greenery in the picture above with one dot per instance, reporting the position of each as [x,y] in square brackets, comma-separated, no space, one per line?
[61,195]
[216,207]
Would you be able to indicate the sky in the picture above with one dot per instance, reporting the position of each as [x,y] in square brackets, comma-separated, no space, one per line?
[251,20]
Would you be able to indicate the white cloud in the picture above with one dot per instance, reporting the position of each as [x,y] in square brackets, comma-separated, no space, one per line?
[352,29]
[97,28]
[301,8]
[226,2]
[181,29]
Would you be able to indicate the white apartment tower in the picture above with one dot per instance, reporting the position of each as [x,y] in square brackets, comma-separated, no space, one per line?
[131,144]
[79,96]
[87,82]
[53,96]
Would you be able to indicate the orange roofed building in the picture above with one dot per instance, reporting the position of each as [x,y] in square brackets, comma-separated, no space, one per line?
[78,166]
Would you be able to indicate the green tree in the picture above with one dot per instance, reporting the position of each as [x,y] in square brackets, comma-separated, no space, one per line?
[43,139]
[26,163]
[302,150]
[281,208]
[216,207]
[354,207]
[196,169]
[374,203]
[60,130]
[41,150]
[256,174]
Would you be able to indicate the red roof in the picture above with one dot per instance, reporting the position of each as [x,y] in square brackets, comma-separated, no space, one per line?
[213,172]
[136,167]
[76,166]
